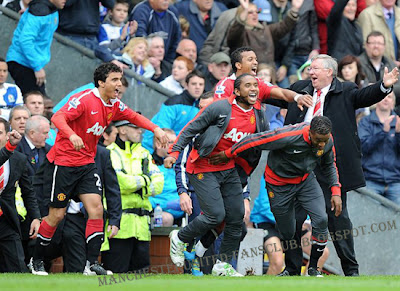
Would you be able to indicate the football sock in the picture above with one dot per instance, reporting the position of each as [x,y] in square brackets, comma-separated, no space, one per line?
[94,238]
[317,249]
[43,240]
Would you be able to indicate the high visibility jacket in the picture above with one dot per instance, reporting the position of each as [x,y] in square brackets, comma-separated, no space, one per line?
[138,178]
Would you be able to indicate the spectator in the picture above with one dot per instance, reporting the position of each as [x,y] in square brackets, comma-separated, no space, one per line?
[384,16]
[109,135]
[178,110]
[266,73]
[304,40]
[80,21]
[185,27]
[34,102]
[341,23]
[176,82]
[19,5]
[349,69]
[202,16]
[135,55]
[18,117]
[48,107]
[380,142]
[139,178]
[161,67]
[29,51]
[344,98]
[216,40]
[218,69]
[187,48]
[10,94]
[116,32]
[155,16]
[13,172]
[373,61]
[169,198]
[247,16]
[280,9]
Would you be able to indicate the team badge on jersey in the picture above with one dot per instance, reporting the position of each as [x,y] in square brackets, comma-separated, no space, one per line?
[271,194]
[320,153]
[11,98]
[61,197]
[200,176]
[109,116]
[252,119]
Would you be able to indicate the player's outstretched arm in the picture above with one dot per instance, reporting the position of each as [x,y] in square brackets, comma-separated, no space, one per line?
[292,96]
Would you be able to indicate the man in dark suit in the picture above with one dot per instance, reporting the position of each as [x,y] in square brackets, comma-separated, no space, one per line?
[13,173]
[33,145]
[338,101]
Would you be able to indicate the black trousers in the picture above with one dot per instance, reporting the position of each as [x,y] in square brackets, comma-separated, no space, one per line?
[74,243]
[11,251]
[126,255]
[24,78]
[339,225]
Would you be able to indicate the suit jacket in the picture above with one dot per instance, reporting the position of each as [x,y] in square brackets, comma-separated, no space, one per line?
[18,176]
[24,148]
[342,100]
[5,154]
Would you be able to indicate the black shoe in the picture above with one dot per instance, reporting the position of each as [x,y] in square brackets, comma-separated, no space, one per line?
[355,274]
[314,272]
[37,267]
[95,269]
[284,273]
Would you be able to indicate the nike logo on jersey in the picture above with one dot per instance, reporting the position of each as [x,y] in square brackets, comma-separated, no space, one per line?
[93,112]
[297,152]
[320,250]
[222,116]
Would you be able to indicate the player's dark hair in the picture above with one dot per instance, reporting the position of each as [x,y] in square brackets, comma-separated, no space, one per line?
[6,124]
[238,81]
[207,95]
[236,56]
[101,73]
[321,125]
[194,73]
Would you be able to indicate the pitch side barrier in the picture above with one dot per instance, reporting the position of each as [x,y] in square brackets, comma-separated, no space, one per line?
[72,66]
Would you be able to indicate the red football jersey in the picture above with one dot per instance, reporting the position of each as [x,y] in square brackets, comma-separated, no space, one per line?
[242,124]
[224,88]
[88,116]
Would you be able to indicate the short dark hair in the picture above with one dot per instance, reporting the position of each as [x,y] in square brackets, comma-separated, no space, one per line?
[34,92]
[6,124]
[109,128]
[124,82]
[236,56]
[101,73]
[2,60]
[207,95]
[194,73]
[120,2]
[375,33]
[321,125]
[238,80]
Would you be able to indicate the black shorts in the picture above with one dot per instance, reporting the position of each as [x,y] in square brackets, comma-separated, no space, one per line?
[269,230]
[69,182]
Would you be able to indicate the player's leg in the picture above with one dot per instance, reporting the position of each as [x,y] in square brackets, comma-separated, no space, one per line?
[90,188]
[62,186]
[311,198]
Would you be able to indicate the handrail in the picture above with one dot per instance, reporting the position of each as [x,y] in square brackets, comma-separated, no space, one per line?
[89,53]
[384,201]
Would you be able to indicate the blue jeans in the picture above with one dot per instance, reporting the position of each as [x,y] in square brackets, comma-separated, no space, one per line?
[390,191]
[297,62]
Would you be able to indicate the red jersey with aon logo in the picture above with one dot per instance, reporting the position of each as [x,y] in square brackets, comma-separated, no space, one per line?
[88,116]
[241,124]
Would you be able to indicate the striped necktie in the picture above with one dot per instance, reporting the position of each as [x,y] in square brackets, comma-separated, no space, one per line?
[317,108]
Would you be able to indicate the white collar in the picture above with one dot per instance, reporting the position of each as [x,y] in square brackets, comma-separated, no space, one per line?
[31,145]
[96,93]
[244,110]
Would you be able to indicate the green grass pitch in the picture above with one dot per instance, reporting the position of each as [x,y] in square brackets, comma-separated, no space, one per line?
[77,282]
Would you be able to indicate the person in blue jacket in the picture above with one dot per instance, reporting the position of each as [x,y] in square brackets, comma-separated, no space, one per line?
[178,110]
[29,52]
[380,144]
